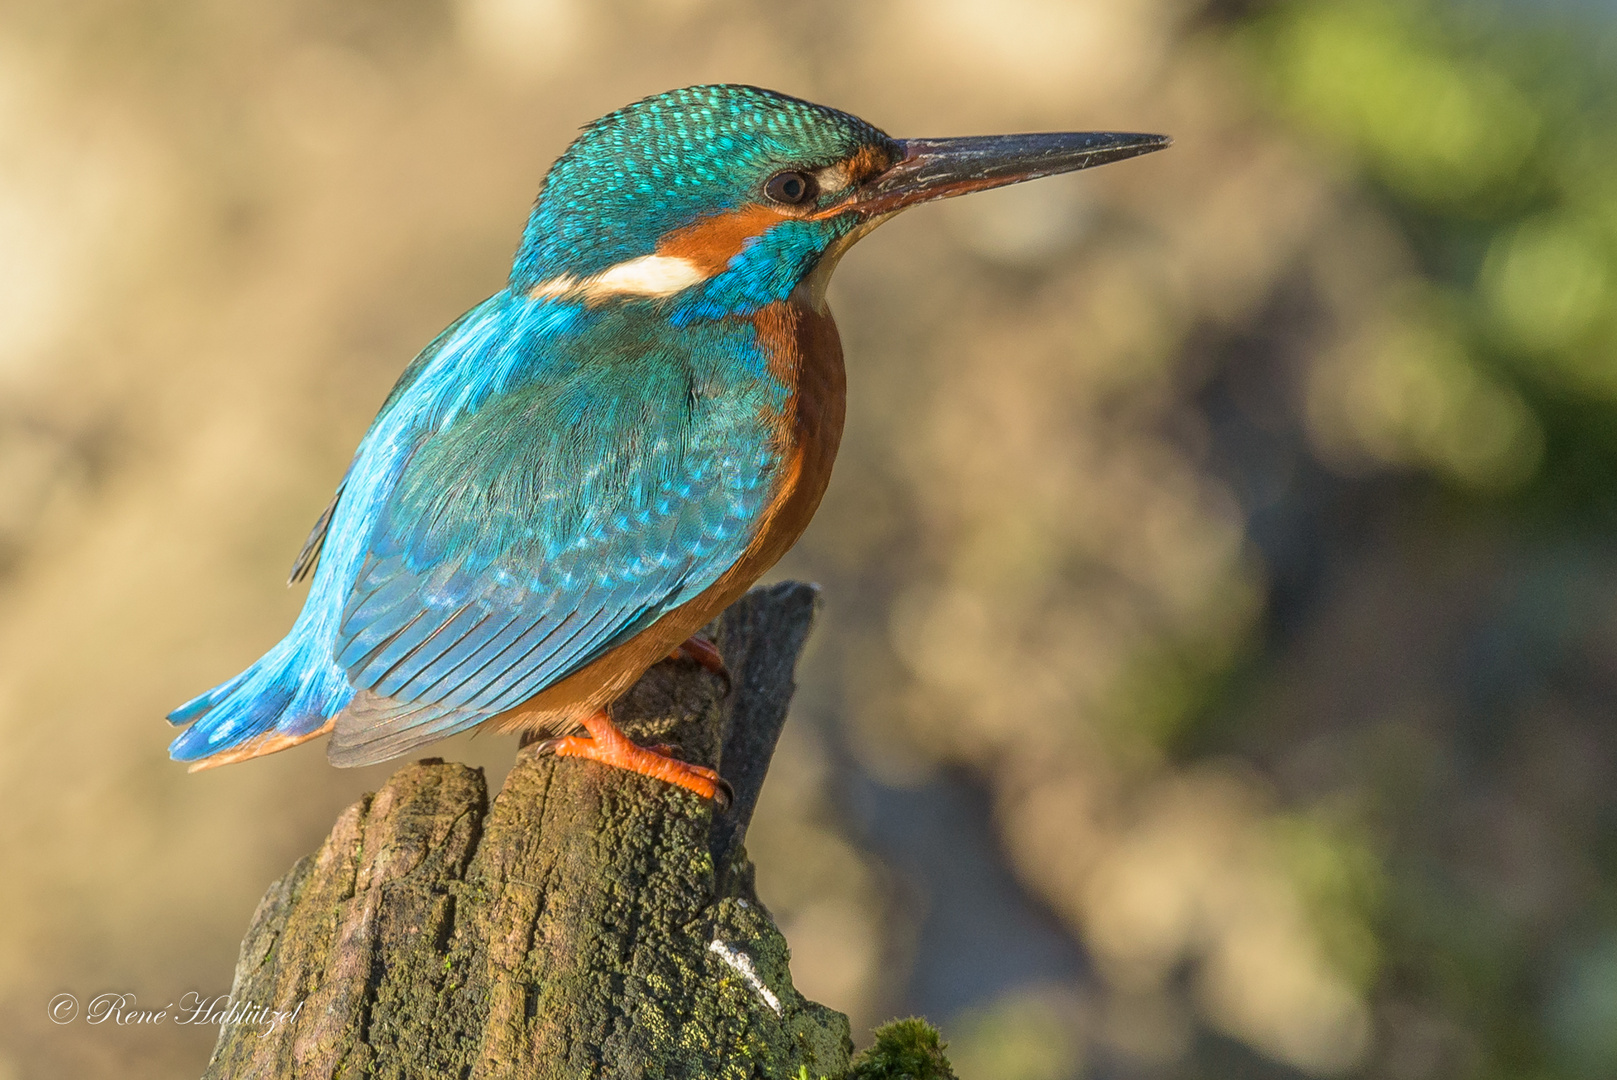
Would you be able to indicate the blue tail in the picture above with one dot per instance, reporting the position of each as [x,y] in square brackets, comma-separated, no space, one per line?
[292,690]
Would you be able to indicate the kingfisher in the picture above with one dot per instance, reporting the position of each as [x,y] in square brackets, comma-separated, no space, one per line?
[584,469]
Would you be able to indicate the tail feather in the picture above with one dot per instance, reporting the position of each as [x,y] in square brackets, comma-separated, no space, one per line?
[289,694]
[234,720]
[268,743]
[200,704]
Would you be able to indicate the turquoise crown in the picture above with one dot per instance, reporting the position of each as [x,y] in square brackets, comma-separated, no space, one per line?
[657,165]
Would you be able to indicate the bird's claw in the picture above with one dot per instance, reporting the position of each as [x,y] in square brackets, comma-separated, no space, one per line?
[544,747]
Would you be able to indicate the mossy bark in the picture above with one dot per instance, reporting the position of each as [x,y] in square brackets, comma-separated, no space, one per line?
[586,923]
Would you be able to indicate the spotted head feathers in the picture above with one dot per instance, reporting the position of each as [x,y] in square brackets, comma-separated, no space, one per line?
[687,175]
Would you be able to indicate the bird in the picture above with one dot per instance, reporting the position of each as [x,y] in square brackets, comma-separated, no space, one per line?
[585,468]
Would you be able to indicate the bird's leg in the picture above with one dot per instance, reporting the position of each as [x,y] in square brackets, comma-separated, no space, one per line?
[610,746]
[704,652]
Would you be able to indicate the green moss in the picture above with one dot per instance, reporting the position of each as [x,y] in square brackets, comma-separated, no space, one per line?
[904,1050]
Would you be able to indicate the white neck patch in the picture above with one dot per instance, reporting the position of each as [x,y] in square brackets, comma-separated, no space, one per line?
[649,276]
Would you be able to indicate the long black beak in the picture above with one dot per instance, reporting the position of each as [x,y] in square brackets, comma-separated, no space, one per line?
[938,168]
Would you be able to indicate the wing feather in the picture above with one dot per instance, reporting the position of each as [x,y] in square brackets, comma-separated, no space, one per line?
[309,553]
[533,535]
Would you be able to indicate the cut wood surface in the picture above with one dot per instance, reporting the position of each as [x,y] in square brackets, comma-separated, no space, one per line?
[585,923]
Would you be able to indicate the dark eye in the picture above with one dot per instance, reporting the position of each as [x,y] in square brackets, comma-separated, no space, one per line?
[792,188]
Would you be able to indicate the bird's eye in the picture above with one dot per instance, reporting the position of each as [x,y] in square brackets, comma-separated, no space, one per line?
[790,187]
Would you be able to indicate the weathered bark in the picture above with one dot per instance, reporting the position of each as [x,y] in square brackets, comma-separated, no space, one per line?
[587,923]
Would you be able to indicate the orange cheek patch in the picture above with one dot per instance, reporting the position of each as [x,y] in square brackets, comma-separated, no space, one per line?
[712,242]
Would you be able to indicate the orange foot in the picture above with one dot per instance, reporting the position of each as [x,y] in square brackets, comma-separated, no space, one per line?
[610,746]
[704,652]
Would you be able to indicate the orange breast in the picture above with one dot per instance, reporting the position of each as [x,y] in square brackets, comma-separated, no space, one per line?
[805,352]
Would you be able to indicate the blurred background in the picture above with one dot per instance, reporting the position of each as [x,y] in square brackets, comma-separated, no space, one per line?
[1220,645]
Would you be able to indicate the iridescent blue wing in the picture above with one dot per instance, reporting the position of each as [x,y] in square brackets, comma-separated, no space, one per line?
[527,539]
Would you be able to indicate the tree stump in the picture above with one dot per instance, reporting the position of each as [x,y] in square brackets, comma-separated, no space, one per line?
[587,923]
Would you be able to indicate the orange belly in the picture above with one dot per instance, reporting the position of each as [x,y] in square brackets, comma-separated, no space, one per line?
[805,352]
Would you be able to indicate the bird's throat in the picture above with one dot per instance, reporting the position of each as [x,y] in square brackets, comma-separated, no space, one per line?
[811,292]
